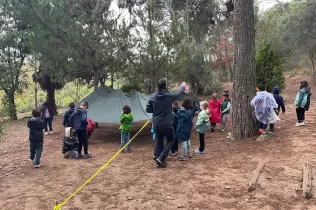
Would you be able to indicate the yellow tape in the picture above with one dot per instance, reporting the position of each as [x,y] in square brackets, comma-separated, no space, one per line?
[58,206]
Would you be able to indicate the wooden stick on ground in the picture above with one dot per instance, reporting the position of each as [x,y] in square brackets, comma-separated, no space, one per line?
[307,181]
[254,179]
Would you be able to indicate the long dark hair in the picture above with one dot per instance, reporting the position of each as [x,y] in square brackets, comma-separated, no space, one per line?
[303,84]
[187,103]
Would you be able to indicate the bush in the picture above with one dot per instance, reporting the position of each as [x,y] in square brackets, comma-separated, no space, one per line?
[268,68]
[131,88]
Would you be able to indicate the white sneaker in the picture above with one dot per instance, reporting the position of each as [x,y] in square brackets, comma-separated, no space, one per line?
[51,132]
[31,161]
[46,133]
[37,166]
[299,124]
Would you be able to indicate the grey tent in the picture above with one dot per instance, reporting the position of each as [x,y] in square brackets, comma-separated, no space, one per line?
[105,105]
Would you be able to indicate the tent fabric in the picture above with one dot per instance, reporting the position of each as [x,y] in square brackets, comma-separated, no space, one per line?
[105,105]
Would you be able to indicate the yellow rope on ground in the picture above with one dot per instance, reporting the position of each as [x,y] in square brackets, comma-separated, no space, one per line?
[58,206]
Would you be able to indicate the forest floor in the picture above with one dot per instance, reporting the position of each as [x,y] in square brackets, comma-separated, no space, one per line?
[215,180]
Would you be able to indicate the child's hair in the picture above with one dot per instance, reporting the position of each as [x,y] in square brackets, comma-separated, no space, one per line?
[204,104]
[214,95]
[226,95]
[36,113]
[303,84]
[262,87]
[175,109]
[162,84]
[126,109]
[187,103]
[71,105]
[85,104]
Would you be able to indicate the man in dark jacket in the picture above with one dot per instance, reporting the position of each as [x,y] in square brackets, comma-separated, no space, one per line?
[36,136]
[160,104]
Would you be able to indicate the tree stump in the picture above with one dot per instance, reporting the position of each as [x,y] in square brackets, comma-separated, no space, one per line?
[307,181]
[255,177]
[96,124]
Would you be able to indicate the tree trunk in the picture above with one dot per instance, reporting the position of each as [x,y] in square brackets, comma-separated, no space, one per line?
[35,97]
[12,106]
[51,99]
[112,80]
[307,181]
[244,78]
[311,56]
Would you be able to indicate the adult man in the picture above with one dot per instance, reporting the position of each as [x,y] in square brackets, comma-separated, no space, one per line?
[160,104]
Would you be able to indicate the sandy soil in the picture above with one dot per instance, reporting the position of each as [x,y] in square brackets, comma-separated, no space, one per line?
[216,180]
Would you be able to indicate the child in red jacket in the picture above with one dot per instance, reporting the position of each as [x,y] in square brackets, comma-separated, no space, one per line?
[90,127]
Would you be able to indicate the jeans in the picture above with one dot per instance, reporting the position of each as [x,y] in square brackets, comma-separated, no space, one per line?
[36,149]
[175,146]
[186,148]
[300,112]
[160,150]
[83,140]
[202,142]
[263,126]
[125,137]
[48,122]
[224,119]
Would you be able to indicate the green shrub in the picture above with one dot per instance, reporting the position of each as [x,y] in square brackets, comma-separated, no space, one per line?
[268,68]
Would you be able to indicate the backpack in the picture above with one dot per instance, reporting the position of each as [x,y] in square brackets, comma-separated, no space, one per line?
[69,144]
[308,101]
[77,120]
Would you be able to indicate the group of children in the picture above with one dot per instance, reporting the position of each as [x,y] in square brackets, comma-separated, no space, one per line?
[212,112]
[268,106]
[73,118]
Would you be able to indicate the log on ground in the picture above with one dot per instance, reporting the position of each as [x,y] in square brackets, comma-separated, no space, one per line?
[307,181]
[255,177]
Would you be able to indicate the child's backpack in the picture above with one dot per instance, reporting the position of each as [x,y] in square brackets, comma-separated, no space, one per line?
[308,101]
[76,120]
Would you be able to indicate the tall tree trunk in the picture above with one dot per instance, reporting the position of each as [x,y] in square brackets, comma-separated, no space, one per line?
[311,56]
[112,80]
[35,97]
[51,99]
[244,78]
[11,106]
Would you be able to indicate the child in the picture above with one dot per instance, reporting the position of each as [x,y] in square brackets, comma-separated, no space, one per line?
[185,124]
[225,92]
[47,116]
[279,101]
[215,113]
[174,149]
[90,127]
[126,120]
[264,105]
[36,126]
[67,114]
[225,108]
[300,102]
[201,126]
[78,121]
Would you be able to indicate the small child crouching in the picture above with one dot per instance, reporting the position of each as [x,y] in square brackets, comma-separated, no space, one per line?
[201,125]
[36,137]
[185,124]
[126,120]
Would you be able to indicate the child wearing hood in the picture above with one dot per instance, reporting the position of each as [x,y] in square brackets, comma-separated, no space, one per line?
[264,105]
[279,100]
[301,101]
[126,121]
[185,125]
[201,126]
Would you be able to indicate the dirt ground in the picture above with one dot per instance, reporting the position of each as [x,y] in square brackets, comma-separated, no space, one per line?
[216,180]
